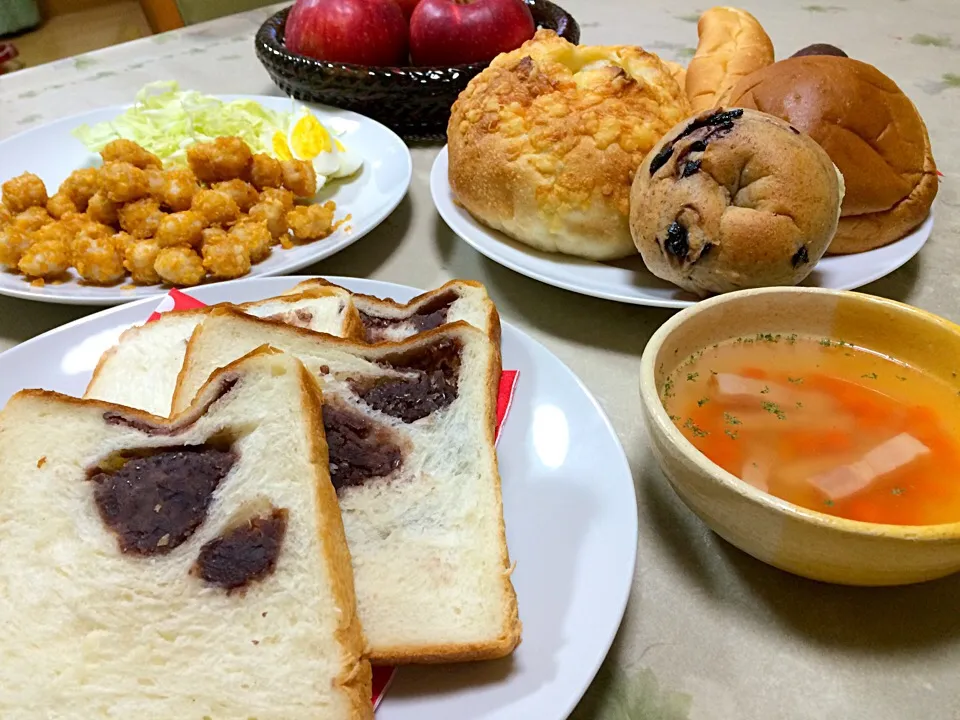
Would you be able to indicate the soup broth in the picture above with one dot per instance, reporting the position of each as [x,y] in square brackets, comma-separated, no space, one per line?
[825,425]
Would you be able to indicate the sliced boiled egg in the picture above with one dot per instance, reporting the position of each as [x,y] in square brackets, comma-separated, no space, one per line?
[350,161]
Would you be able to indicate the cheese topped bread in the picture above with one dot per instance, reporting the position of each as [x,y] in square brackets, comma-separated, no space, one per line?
[194,568]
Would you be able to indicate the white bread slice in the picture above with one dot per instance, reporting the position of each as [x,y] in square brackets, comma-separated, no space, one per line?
[386,320]
[426,532]
[101,622]
[141,370]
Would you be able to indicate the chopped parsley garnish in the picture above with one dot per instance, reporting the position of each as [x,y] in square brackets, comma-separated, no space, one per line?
[897,491]
[870,376]
[901,378]
[702,401]
[828,502]
[668,388]
[691,377]
[675,418]
[795,381]
[766,389]
[792,338]
[799,404]
[825,342]
[773,408]
[731,419]
[694,428]
[732,434]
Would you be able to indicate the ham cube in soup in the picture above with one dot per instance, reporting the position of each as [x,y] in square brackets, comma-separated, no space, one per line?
[894,454]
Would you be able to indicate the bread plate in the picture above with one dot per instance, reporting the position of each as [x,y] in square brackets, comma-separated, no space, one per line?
[628,281]
[574,538]
[51,152]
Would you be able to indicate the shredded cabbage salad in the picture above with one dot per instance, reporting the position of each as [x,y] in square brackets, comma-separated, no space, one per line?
[166,121]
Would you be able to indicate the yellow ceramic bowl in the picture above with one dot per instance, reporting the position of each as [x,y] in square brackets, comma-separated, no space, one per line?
[801,541]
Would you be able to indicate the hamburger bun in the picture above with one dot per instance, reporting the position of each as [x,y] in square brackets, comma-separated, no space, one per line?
[732,45]
[544,142]
[734,199]
[870,129]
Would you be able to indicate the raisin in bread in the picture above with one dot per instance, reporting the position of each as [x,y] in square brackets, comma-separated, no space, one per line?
[141,369]
[193,568]
[411,430]
[386,320]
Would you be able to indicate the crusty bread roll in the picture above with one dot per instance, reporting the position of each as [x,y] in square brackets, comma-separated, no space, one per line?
[870,129]
[544,143]
[193,568]
[732,45]
[734,199]
[410,427]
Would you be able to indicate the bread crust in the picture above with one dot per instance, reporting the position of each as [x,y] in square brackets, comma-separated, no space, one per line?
[872,132]
[356,677]
[543,144]
[732,45]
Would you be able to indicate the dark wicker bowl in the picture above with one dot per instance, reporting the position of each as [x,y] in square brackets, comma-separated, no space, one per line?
[413,101]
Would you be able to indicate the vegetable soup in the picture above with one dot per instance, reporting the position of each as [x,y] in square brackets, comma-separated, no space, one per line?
[825,425]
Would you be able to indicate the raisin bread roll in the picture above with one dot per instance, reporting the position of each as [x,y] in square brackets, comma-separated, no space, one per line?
[734,199]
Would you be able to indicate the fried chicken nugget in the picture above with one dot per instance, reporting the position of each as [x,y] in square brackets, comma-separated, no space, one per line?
[24,192]
[244,194]
[212,235]
[155,182]
[215,206]
[33,218]
[141,218]
[60,204]
[140,259]
[182,228]
[279,195]
[179,187]
[6,217]
[45,259]
[122,182]
[266,172]
[55,232]
[127,151]
[14,242]
[80,186]
[225,158]
[273,214]
[97,259]
[123,240]
[299,177]
[227,259]
[255,236]
[103,210]
[311,222]
[179,266]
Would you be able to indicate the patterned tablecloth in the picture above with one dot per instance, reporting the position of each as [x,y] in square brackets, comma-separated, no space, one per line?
[709,633]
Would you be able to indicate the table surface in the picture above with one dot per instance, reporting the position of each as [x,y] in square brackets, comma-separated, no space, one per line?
[709,633]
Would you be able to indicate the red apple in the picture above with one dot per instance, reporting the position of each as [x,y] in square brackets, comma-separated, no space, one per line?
[408,6]
[454,32]
[364,32]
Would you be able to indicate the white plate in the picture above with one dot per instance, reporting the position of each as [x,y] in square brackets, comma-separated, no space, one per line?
[629,281]
[51,152]
[568,500]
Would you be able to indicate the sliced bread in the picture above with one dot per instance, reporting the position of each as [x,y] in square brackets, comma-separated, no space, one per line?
[193,568]
[410,429]
[385,320]
[141,370]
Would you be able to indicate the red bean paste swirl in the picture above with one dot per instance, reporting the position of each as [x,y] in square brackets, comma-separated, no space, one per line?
[432,314]
[244,554]
[155,502]
[434,378]
[359,449]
